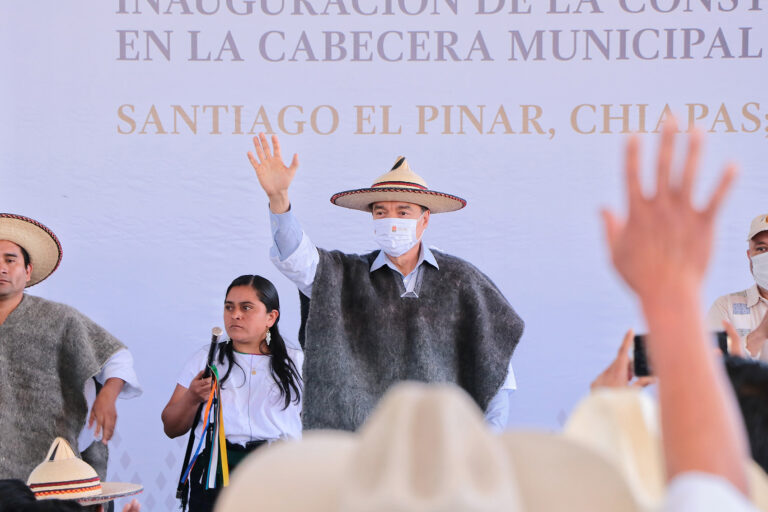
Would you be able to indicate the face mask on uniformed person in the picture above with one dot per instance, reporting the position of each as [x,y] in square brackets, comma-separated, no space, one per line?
[395,236]
[760,270]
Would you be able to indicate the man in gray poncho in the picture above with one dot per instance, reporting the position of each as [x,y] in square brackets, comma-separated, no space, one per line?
[50,355]
[405,312]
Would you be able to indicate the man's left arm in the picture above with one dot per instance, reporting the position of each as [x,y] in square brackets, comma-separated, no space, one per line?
[118,378]
[500,325]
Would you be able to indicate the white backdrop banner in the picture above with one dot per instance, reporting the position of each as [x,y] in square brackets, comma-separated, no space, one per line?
[126,125]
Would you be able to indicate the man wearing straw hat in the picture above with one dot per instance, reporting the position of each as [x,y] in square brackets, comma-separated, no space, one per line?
[402,313]
[50,355]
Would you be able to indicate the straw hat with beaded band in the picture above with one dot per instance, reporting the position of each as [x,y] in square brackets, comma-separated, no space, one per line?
[41,244]
[399,184]
[64,476]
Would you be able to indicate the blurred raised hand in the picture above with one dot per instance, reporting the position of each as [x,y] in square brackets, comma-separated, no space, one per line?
[665,240]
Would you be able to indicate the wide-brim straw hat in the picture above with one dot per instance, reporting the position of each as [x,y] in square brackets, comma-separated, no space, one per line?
[63,476]
[40,243]
[623,425]
[399,184]
[426,448]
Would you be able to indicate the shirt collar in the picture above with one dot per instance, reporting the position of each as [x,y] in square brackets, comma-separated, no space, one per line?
[753,296]
[425,256]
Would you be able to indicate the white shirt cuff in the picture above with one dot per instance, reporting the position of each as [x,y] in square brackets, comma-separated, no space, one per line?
[510,382]
[120,366]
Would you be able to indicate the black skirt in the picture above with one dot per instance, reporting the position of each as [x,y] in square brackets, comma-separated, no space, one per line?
[202,499]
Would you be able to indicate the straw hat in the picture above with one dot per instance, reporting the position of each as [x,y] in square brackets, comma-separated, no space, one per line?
[40,243]
[623,425]
[758,225]
[426,448]
[399,184]
[64,476]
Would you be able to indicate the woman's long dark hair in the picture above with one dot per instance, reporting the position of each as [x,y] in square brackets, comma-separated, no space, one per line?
[284,371]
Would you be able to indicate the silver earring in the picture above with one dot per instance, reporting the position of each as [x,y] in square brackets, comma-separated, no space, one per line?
[268,338]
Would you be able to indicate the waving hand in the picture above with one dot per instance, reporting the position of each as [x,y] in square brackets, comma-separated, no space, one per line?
[274,176]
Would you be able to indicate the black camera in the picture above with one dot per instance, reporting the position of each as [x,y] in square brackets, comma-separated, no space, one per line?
[642,364]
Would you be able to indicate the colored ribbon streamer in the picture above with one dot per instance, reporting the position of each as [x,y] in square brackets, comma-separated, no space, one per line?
[223,444]
[214,423]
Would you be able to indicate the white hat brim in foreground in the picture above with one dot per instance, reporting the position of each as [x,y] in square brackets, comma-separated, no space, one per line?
[552,474]
[40,243]
[112,491]
[363,198]
[623,425]
[426,449]
[313,482]
[555,473]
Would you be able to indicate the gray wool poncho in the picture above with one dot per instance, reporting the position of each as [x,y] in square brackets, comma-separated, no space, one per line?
[360,337]
[47,352]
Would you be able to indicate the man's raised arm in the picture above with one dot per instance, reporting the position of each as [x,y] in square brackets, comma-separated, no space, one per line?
[293,253]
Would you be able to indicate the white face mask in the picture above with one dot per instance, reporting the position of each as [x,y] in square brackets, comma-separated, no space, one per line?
[760,270]
[395,236]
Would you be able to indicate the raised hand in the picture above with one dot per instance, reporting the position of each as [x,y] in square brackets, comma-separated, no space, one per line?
[619,373]
[756,339]
[274,176]
[133,506]
[665,241]
[737,348]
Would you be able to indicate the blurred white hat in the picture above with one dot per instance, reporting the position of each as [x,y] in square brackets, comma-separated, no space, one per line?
[426,448]
[623,425]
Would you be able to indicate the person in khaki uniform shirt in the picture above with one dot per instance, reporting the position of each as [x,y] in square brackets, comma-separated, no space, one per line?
[747,310]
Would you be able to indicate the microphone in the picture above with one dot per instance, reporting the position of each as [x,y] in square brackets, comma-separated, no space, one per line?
[215,333]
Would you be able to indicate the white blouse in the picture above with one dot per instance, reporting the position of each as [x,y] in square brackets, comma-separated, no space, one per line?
[253,407]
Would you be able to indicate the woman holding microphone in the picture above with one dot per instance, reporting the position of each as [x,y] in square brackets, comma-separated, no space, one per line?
[259,379]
